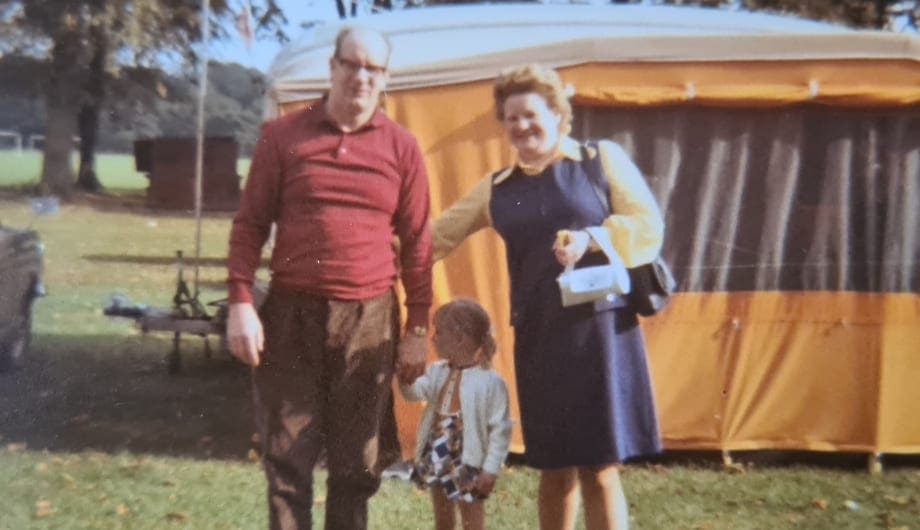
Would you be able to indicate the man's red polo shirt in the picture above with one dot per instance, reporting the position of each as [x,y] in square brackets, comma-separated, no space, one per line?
[337,199]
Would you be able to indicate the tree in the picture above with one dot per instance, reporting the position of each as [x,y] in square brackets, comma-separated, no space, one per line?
[88,117]
[878,14]
[85,39]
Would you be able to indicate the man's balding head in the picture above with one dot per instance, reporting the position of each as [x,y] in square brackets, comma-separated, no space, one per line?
[369,37]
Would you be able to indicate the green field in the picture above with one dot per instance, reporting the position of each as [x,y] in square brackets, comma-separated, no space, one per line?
[115,171]
[95,434]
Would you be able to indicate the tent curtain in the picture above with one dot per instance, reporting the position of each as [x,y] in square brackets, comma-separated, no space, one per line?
[794,236]
[802,198]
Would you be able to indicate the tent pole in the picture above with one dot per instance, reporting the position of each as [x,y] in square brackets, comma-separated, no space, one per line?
[199,149]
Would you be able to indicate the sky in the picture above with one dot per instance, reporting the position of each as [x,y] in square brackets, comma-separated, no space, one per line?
[260,53]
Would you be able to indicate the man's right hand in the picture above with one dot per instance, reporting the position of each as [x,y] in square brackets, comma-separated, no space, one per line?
[244,333]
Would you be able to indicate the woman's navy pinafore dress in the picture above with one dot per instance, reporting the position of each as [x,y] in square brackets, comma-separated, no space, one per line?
[582,379]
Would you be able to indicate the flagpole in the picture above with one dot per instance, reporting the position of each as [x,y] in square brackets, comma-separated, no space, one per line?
[199,149]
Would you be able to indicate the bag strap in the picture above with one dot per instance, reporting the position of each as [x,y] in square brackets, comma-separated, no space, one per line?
[595,173]
[599,235]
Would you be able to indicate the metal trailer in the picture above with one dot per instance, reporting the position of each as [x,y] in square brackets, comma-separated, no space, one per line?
[187,315]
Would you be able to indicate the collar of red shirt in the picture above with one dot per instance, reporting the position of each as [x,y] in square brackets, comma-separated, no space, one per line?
[317,114]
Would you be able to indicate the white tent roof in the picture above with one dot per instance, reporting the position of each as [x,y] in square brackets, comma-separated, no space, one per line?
[453,44]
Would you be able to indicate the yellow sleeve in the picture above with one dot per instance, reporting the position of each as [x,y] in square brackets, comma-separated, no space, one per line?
[462,219]
[636,229]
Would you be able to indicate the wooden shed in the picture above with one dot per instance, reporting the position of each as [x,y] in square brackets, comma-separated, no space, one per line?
[170,167]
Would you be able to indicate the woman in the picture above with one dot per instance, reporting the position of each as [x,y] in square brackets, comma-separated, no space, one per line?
[583,384]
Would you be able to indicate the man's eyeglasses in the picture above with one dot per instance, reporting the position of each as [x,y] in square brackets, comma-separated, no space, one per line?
[353,67]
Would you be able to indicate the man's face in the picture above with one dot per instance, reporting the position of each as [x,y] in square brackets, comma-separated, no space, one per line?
[359,71]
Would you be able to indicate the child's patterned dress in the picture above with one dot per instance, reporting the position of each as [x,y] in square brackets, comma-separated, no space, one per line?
[440,463]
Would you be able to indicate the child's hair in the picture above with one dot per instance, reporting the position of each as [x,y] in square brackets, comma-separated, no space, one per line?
[472,320]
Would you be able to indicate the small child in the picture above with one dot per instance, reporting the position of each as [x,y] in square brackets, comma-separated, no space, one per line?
[464,432]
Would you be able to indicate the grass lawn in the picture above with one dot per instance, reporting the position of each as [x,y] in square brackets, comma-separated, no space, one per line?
[115,171]
[95,434]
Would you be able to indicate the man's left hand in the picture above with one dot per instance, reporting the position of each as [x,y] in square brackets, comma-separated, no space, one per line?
[410,364]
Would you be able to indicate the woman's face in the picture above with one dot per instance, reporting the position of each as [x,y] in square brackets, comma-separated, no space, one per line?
[532,126]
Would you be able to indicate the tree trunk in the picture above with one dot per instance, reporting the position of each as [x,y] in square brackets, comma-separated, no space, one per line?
[88,119]
[62,101]
[88,125]
[60,126]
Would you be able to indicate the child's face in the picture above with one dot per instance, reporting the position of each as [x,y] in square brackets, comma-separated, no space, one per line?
[452,344]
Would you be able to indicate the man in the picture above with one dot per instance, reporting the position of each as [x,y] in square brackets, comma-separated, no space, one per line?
[338,179]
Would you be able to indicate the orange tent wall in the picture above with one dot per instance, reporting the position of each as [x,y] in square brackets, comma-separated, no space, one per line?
[829,371]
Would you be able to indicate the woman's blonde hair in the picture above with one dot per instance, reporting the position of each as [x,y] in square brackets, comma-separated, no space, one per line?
[538,79]
[468,317]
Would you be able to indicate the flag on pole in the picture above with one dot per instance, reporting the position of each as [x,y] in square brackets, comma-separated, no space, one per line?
[243,24]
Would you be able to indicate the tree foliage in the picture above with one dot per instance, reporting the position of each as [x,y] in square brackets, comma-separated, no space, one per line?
[83,39]
[878,14]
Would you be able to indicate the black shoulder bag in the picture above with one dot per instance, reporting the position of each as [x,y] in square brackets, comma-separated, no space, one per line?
[651,283]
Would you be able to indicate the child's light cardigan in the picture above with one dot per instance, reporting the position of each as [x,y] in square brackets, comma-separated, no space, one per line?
[483,405]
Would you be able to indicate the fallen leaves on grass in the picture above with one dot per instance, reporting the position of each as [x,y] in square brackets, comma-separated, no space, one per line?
[16,447]
[252,455]
[888,521]
[121,510]
[135,464]
[176,516]
[734,467]
[820,504]
[898,499]
[320,500]
[41,467]
[43,509]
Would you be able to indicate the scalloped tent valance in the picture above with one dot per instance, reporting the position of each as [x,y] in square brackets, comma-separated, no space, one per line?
[628,55]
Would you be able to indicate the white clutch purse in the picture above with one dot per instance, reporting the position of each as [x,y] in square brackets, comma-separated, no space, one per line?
[599,282]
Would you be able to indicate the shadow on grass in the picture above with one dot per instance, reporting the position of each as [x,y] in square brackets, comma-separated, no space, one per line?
[155,260]
[113,200]
[113,393]
[778,458]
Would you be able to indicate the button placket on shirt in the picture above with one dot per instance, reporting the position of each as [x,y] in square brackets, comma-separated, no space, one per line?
[341,150]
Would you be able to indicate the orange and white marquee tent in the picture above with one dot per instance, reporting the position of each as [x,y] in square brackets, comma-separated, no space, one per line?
[786,157]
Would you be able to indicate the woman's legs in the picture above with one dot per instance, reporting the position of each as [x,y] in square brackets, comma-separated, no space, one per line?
[473,515]
[605,502]
[557,499]
[444,515]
